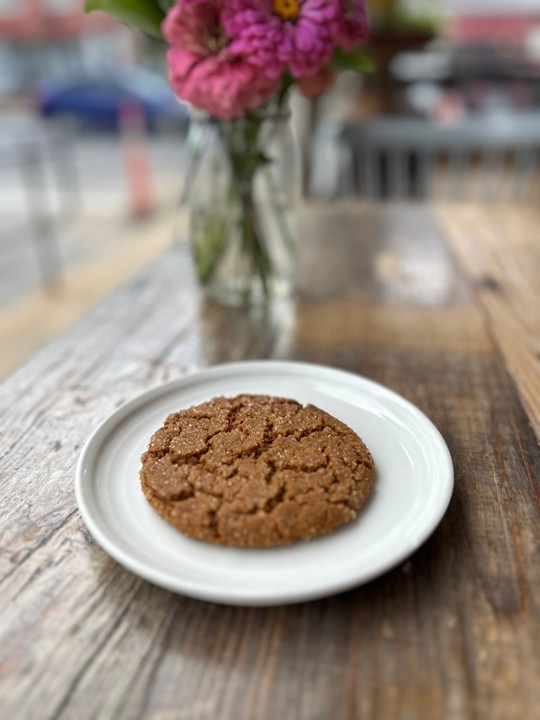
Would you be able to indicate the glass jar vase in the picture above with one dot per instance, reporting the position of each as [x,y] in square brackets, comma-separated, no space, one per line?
[240,193]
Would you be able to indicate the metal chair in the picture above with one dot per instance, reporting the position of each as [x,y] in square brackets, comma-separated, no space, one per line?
[479,158]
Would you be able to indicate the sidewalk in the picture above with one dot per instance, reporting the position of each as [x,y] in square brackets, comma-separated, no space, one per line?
[99,247]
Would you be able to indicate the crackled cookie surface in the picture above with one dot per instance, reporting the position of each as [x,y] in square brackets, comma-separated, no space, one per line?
[256,471]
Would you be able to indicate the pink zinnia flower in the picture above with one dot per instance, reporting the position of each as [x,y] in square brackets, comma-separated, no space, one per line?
[352,24]
[202,68]
[274,34]
[195,25]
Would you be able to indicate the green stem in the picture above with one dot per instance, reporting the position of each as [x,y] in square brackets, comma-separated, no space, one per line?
[254,246]
[279,211]
[242,142]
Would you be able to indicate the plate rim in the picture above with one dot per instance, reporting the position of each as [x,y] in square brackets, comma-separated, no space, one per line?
[213,592]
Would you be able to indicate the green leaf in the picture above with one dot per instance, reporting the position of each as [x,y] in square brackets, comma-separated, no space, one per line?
[352,60]
[262,158]
[286,82]
[146,15]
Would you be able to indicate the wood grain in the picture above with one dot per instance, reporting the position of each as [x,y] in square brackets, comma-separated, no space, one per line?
[499,250]
[452,633]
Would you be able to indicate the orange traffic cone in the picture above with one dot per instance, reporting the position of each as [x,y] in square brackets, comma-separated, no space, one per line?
[136,160]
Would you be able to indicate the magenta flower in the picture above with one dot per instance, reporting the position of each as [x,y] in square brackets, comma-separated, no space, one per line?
[274,34]
[203,70]
[352,24]
[228,56]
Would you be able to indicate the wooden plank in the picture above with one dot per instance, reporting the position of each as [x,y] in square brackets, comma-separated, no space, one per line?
[498,249]
[451,633]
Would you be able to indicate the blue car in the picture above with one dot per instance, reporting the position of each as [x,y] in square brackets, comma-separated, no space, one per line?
[98,103]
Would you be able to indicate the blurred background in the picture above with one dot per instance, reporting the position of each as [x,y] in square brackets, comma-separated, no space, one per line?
[92,141]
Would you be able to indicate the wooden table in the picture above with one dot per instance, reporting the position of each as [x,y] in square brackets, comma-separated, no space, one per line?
[441,306]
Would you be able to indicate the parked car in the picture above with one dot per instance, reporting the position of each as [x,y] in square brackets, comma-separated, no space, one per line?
[97,103]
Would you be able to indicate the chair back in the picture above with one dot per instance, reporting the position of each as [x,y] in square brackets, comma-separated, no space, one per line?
[477,159]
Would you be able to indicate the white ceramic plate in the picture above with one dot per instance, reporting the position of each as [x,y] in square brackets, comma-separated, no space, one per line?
[413,485]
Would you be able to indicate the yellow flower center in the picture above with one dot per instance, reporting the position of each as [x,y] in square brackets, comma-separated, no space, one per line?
[286,9]
[216,41]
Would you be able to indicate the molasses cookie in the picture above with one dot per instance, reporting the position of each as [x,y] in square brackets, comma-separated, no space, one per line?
[256,471]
